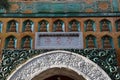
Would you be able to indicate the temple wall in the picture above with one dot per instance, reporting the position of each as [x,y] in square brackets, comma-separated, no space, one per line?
[37,6]
[98,34]
[66,12]
[61,6]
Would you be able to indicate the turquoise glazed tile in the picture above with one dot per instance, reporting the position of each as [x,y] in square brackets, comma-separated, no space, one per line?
[58,7]
[81,6]
[74,7]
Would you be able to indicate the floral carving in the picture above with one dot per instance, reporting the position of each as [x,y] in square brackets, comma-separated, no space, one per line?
[105,58]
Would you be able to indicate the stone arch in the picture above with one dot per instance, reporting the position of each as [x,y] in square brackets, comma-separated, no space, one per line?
[59,59]
[58,72]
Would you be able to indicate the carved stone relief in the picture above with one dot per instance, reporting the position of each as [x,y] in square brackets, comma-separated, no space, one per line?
[73,61]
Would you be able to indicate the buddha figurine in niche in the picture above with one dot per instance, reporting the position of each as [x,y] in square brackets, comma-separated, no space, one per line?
[59,27]
[28,27]
[43,27]
[105,26]
[12,27]
[118,29]
[90,42]
[89,26]
[74,26]
[107,43]
[58,78]
[11,44]
[26,43]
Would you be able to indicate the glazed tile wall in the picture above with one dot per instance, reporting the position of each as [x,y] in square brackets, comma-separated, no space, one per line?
[37,6]
[19,35]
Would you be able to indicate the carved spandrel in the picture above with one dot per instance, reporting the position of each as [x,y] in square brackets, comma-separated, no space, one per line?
[71,59]
[67,59]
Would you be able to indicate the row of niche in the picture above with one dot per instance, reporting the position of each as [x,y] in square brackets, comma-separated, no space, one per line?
[91,42]
[11,42]
[59,26]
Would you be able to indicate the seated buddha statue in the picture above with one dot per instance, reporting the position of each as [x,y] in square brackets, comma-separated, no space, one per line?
[43,27]
[107,43]
[26,44]
[90,43]
[12,27]
[118,29]
[74,27]
[58,78]
[28,27]
[89,26]
[11,44]
[59,27]
[105,26]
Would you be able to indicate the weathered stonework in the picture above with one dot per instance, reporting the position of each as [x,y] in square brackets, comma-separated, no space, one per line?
[75,62]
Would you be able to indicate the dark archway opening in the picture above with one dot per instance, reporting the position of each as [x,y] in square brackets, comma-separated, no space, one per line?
[58,74]
[59,77]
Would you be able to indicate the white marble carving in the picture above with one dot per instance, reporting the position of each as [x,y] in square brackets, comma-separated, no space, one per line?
[73,61]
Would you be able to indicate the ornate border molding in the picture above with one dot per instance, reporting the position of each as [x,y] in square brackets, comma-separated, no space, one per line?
[81,65]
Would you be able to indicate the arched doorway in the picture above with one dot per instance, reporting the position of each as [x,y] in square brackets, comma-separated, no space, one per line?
[59,77]
[82,66]
[58,74]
